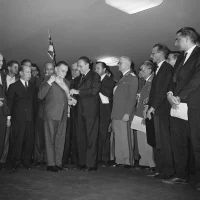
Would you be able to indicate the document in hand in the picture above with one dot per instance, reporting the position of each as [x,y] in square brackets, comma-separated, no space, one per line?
[104,99]
[138,124]
[181,112]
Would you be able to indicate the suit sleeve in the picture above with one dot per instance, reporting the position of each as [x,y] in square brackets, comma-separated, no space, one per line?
[131,98]
[43,90]
[193,84]
[162,87]
[94,90]
[11,97]
[107,90]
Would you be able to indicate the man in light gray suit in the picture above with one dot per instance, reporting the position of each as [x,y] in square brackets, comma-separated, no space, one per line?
[55,91]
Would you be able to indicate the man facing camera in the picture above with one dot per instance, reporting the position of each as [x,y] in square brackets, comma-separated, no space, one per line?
[124,101]
[22,105]
[55,91]
[106,95]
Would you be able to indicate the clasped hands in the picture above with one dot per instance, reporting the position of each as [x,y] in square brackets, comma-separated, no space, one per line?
[174,101]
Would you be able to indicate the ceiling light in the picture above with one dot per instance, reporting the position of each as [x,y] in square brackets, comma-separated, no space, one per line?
[110,61]
[133,6]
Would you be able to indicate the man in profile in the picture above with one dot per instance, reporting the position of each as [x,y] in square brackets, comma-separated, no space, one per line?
[172,57]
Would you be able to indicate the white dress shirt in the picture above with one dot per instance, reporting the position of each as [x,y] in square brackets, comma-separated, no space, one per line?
[159,65]
[23,82]
[0,80]
[126,72]
[189,52]
[103,76]
[10,80]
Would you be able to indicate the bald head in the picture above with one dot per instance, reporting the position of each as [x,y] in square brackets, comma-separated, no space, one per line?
[48,68]
[75,71]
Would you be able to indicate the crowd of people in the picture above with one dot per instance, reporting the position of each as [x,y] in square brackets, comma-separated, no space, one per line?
[79,117]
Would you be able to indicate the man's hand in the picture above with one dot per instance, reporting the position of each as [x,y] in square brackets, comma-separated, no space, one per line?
[72,101]
[51,79]
[1,102]
[8,124]
[125,118]
[73,91]
[145,112]
[149,112]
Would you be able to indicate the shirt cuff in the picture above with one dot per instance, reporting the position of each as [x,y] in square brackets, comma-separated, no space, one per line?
[8,117]
[49,83]
[170,92]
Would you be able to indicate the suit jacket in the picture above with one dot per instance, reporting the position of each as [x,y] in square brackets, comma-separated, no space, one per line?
[187,85]
[22,101]
[124,99]
[88,98]
[143,97]
[55,100]
[4,108]
[159,88]
[107,85]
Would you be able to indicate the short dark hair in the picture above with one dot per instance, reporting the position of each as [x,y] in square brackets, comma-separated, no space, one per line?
[11,63]
[87,61]
[198,38]
[163,48]
[24,61]
[103,64]
[49,63]
[188,32]
[175,54]
[36,66]
[108,70]
[61,63]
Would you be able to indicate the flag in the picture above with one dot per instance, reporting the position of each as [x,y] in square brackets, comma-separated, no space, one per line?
[51,49]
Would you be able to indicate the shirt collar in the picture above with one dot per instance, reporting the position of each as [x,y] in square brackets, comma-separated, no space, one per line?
[8,76]
[160,63]
[126,72]
[87,72]
[103,76]
[189,51]
[23,82]
[149,77]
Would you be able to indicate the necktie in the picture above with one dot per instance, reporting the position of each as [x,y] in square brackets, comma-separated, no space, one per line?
[82,77]
[26,84]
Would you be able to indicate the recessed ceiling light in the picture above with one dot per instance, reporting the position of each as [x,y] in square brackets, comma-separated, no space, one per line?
[110,61]
[133,6]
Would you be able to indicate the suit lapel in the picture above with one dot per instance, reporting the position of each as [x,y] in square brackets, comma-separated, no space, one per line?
[88,75]
[192,55]
[124,76]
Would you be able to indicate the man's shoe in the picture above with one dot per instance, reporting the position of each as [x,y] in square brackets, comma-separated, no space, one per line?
[154,175]
[82,167]
[88,169]
[174,181]
[2,166]
[163,177]
[15,169]
[198,186]
[61,167]
[105,164]
[37,164]
[52,169]
[27,167]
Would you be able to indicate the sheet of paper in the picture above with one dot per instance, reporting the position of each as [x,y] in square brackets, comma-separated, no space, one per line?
[137,124]
[104,99]
[181,112]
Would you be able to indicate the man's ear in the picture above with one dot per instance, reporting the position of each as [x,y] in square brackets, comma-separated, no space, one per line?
[56,69]
[20,73]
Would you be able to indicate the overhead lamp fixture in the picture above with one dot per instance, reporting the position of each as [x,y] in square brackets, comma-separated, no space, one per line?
[133,6]
[110,61]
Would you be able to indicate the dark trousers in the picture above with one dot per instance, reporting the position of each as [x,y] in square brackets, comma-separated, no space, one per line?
[104,135]
[163,151]
[2,132]
[87,140]
[22,143]
[39,147]
[186,144]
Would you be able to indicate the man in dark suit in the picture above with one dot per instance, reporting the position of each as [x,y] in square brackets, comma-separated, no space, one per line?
[106,98]
[158,105]
[185,88]
[88,115]
[70,153]
[11,77]
[3,109]
[21,103]
[55,91]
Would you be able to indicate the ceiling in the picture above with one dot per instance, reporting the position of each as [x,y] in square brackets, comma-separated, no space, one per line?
[90,28]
